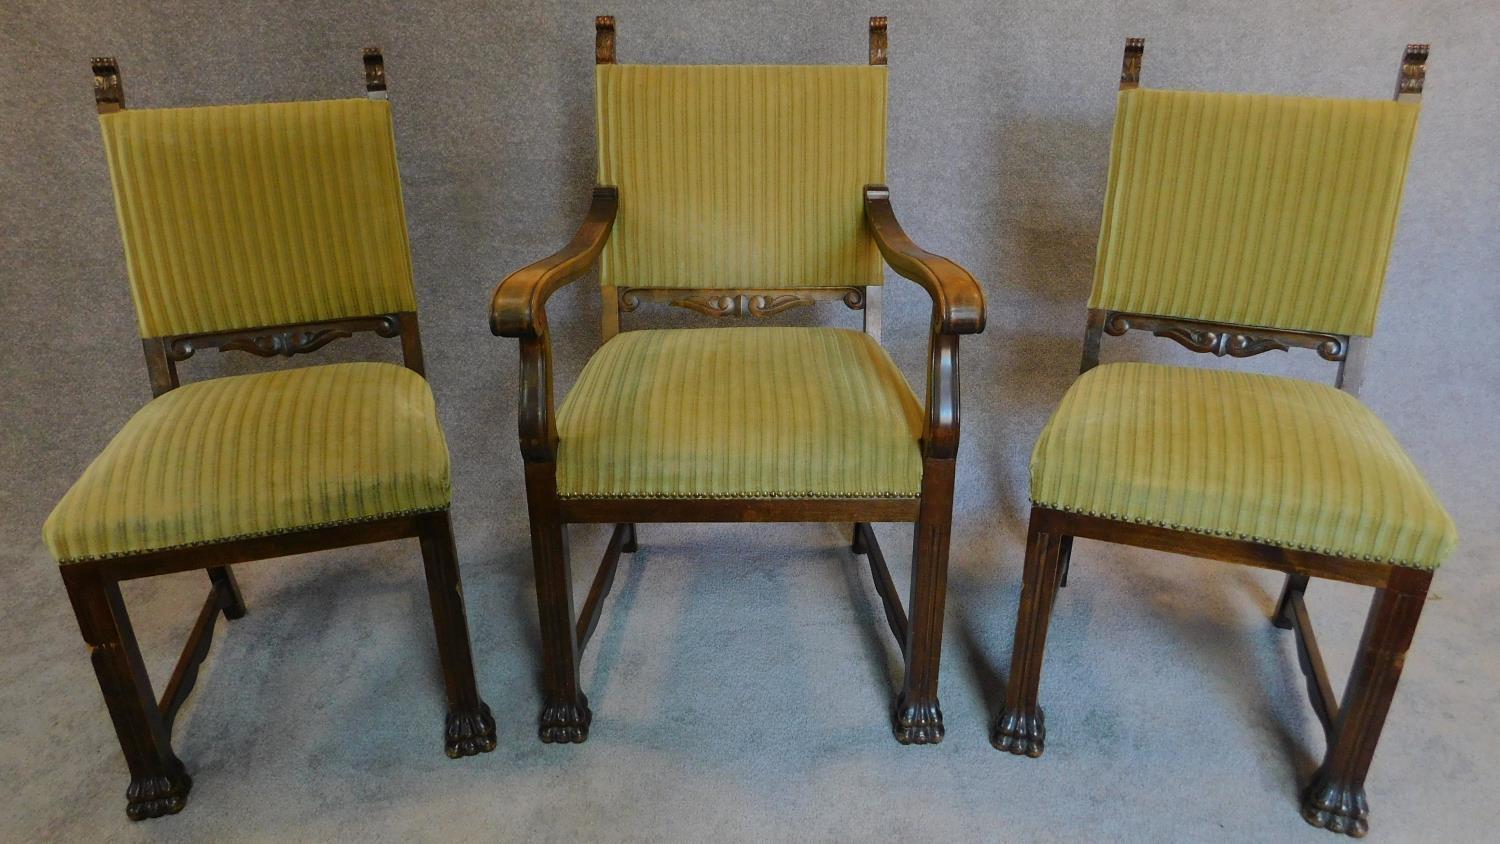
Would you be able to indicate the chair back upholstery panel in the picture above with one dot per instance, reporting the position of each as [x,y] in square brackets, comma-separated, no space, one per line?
[1252,209]
[243,216]
[741,176]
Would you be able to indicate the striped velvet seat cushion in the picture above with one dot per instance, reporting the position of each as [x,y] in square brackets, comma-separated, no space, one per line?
[1274,460]
[252,455]
[740,413]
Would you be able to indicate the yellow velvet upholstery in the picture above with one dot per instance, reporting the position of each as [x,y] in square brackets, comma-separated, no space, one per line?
[1252,209]
[740,413]
[1274,460]
[251,455]
[251,215]
[741,176]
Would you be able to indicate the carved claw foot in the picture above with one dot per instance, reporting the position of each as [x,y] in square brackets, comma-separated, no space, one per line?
[1337,807]
[1022,732]
[566,722]
[918,723]
[469,732]
[153,797]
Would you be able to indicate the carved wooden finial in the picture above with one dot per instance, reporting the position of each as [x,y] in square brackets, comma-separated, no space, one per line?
[877,40]
[1413,72]
[374,74]
[1130,69]
[109,92]
[604,39]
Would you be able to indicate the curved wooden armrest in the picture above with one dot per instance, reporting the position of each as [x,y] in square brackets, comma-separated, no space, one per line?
[516,307]
[957,300]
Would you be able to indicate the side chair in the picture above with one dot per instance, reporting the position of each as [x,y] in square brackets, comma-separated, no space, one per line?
[739,192]
[1239,224]
[272,229]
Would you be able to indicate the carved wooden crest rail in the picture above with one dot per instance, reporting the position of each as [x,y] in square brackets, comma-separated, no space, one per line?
[284,341]
[740,303]
[1219,339]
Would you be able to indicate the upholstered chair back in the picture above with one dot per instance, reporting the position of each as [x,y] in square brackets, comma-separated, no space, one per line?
[740,176]
[237,217]
[1249,209]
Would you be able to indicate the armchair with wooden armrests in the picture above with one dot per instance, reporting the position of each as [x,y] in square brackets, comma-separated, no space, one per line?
[739,192]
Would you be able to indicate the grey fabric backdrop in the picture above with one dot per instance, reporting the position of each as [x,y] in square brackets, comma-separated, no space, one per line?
[740,678]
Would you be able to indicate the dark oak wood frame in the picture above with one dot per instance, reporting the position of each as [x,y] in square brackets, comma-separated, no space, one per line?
[159,782]
[1335,797]
[518,310]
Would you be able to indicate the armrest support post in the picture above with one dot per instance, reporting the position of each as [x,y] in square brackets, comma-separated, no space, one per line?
[940,426]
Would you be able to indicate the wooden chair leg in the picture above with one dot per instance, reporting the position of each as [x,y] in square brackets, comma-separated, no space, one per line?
[1336,799]
[857,544]
[159,784]
[918,716]
[1295,584]
[1021,728]
[470,727]
[565,710]
[630,546]
[223,580]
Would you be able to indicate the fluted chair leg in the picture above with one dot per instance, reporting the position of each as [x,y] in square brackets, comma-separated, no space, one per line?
[470,727]
[565,714]
[1336,799]
[918,715]
[159,784]
[1021,728]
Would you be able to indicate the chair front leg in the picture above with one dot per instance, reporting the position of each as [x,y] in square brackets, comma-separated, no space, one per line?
[469,728]
[1336,799]
[565,710]
[918,716]
[159,784]
[1022,728]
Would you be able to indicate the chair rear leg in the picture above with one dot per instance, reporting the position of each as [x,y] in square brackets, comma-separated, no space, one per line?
[565,714]
[918,715]
[159,784]
[1064,561]
[1295,584]
[630,546]
[1021,728]
[857,544]
[469,728]
[1336,799]
[223,580]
